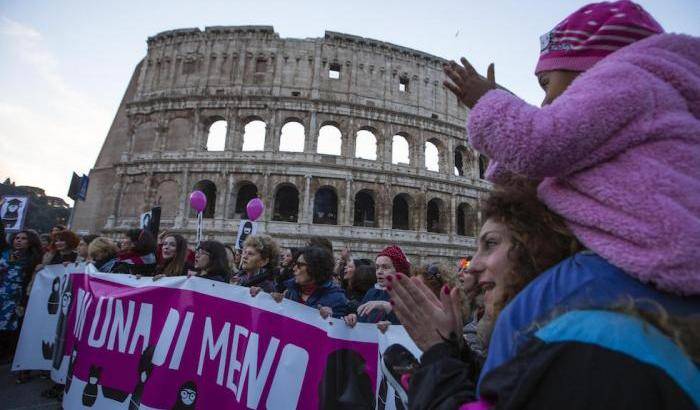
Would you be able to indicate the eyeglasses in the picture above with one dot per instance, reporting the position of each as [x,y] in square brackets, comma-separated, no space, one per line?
[201,251]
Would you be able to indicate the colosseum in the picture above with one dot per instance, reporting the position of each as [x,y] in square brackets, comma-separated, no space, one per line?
[342,136]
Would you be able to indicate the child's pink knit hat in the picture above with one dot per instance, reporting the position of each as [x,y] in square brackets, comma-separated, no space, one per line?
[593,32]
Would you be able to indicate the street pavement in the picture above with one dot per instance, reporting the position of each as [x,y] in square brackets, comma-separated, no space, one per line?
[24,396]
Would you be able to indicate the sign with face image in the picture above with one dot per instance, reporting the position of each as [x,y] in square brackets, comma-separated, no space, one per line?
[245,229]
[13,211]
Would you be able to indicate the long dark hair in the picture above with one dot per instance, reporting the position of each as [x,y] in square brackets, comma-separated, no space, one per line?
[218,262]
[363,279]
[33,252]
[3,238]
[176,265]
[143,241]
[319,263]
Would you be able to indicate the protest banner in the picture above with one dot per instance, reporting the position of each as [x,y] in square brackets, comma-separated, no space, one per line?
[118,342]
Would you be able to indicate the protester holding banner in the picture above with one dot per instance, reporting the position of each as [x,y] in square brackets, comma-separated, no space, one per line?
[375,306]
[312,284]
[286,270]
[64,247]
[83,247]
[17,263]
[258,263]
[103,254]
[363,278]
[137,252]
[210,261]
[173,257]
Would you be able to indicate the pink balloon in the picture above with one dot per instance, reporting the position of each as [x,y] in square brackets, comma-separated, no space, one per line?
[255,208]
[198,201]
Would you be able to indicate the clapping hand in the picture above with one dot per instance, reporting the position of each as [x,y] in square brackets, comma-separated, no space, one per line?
[466,84]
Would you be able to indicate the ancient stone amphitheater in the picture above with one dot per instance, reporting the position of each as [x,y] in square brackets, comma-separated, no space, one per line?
[333,134]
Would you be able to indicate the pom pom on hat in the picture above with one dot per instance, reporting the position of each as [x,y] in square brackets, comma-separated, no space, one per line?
[591,33]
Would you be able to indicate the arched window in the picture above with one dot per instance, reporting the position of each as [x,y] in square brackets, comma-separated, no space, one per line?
[330,140]
[432,157]
[292,137]
[400,153]
[366,145]
[460,158]
[216,137]
[434,217]
[483,165]
[364,209]
[286,204]
[254,136]
[246,192]
[466,220]
[209,190]
[400,213]
[326,207]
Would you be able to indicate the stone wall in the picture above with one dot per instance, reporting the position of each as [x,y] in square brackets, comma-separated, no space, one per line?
[156,150]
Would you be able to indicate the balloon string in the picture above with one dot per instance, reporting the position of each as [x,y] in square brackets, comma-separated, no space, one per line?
[199,228]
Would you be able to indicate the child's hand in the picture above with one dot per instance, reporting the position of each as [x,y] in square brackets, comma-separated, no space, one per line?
[466,84]
[254,290]
[325,311]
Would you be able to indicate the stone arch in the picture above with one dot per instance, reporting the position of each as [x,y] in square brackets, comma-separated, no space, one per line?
[401,212]
[330,139]
[216,134]
[326,206]
[245,192]
[254,132]
[292,136]
[401,149]
[132,203]
[144,137]
[466,220]
[168,197]
[483,166]
[366,144]
[209,190]
[286,206]
[462,162]
[434,156]
[365,209]
[436,220]
[179,134]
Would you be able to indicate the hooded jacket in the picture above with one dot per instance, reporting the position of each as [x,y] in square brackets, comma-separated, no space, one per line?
[618,154]
[328,294]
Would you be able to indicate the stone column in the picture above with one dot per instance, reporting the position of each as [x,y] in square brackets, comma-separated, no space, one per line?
[307,210]
[272,134]
[310,141]
[450,157]
[220,211]
[419,153]
[348,202]
[196,134]
[230,184]
[422,211]
[452,228]
[183,209]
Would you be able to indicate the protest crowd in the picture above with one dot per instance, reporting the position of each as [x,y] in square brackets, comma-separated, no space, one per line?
[584,291]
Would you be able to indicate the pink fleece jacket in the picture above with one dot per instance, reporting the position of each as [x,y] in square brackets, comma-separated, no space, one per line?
[619,155]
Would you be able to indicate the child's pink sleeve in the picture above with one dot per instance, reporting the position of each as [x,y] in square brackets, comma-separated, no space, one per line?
[573,132]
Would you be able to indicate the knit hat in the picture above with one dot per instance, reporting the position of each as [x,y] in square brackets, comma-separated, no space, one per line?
[593,32]
[398,258]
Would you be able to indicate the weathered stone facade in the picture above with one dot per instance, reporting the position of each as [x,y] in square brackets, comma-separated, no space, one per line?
[155,151]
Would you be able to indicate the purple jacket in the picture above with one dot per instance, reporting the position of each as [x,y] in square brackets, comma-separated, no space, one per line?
[619,155]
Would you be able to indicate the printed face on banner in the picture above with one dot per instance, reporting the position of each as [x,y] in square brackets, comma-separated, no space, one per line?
[171,348]
[12,212]
[245,229]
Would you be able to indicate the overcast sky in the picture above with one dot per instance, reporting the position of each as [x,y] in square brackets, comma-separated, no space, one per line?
[64,65]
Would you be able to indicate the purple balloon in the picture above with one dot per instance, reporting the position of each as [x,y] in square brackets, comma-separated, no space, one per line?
[198,201]
[255,208]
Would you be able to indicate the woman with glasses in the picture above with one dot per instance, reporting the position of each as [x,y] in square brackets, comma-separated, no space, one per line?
[210,262]
[312,285]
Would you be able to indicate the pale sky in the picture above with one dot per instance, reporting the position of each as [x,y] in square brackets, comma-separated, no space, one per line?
[64,65]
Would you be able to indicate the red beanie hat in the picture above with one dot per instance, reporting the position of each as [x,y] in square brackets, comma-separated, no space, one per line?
[398,258]
[591,33]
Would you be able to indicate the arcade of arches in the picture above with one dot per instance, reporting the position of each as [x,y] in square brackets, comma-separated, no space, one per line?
[327,207]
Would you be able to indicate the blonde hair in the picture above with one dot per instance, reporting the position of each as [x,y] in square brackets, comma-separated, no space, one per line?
[267,248]
[101,248]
